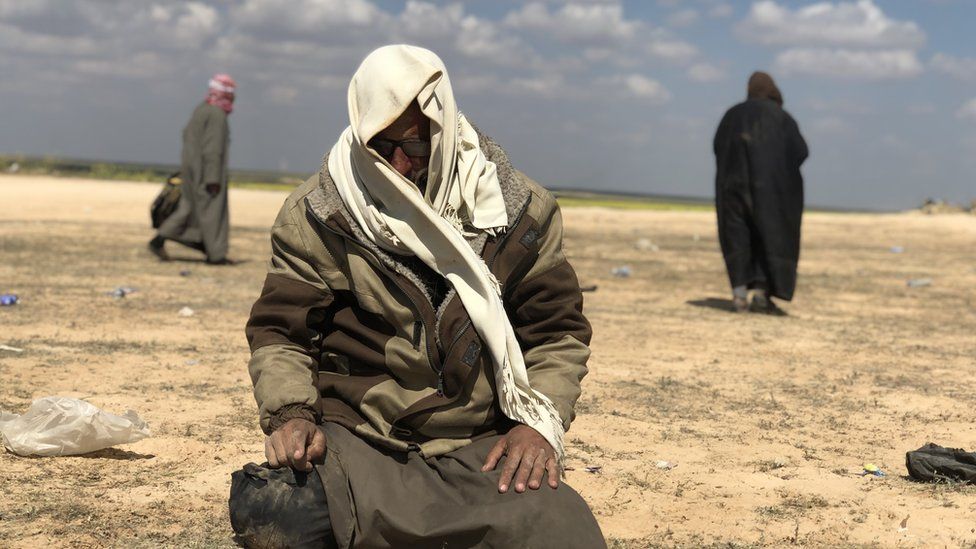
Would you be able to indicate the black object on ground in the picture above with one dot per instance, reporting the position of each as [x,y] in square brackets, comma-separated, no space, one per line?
[934,463]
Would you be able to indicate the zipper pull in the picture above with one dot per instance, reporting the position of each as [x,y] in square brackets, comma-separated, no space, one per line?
[440,383]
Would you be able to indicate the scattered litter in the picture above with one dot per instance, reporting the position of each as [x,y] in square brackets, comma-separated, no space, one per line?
[588,288]
[919,282]
[621,272]
[13,168]
[11,349]
[903,527]
[646,245]
[6,300]
[897,249]
[122,291]
[61,426]
[665,465]
[186,312]
[873,470]
[185,272]
[593,468]
[191,362]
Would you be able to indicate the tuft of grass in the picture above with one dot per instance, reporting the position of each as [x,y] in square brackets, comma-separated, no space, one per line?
[767,465]
[792,505]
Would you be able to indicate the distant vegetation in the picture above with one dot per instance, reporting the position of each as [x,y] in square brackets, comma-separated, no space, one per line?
[275,180]
[570,198]
[131,171]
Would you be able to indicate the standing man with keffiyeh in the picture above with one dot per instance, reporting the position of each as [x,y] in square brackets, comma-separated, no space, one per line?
[201,220]
[418,347]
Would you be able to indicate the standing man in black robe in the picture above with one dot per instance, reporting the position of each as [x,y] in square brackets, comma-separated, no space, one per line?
[759,196]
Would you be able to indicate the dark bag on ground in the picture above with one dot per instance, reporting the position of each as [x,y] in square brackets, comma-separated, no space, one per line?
[933,463]
[165,203]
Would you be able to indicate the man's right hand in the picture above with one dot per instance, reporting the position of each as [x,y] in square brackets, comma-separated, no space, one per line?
[296,444]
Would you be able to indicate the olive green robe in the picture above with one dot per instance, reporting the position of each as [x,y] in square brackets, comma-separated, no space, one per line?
[201,221]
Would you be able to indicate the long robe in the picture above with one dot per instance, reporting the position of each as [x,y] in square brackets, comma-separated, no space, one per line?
[759,195]
[380,499]
[201,220]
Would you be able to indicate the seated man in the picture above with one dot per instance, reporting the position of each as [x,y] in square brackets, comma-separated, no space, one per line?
[418,346]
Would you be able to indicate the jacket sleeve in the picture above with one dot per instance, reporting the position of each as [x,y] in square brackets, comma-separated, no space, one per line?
[280,333]
[212,148]
[546,309]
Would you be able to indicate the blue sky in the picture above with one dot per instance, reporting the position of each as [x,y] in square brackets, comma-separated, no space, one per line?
[596,94]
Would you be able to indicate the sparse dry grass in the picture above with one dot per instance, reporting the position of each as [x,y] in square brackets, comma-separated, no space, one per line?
[768,419]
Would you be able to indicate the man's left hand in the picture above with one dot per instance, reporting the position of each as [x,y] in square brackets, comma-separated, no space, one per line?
[529,456]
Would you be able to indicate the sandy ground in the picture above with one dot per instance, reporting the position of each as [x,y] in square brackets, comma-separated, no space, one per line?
[768,419]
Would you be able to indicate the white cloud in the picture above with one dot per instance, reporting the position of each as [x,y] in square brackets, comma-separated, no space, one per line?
[573,22]
[683,18]
[644,88]
[705,72]
[967,111]
[960,68]
[672,50]
[850,24]
[307,17]
[547,85]
[282,95]
[721,11]
[195,24]
[840,105]
[831,125]
[922,108]
[849,64]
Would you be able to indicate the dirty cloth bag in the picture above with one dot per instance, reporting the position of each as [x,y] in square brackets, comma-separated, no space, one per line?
[166,201]
[933,462]
[61,426]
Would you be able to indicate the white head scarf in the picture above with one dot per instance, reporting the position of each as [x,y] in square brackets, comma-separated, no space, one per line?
[462,192]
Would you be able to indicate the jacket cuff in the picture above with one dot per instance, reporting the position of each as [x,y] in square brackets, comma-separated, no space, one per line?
[289,412]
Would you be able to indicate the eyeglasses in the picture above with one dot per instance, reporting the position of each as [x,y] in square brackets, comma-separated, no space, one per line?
[410,147]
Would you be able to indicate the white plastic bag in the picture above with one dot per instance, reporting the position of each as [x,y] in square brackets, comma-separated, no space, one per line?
[61,426]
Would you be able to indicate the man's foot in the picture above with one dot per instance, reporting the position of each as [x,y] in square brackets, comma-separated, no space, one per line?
[156,248]
[739,305]
[763,304]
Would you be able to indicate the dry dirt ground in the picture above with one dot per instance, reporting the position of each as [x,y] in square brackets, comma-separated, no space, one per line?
[768,419]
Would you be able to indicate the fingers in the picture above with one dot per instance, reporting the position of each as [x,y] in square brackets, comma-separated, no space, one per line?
[527,464]
[496,453]
[316,446]
[281,455]
[508,470]
[296,449]
[538,469]
[269,453]
[552,467]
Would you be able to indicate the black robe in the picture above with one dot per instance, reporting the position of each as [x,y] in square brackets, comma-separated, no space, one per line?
[759,195]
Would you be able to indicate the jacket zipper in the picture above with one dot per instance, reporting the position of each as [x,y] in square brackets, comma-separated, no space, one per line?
[375,261]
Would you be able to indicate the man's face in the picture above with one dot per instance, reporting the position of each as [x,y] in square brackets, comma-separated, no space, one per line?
[413,128]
